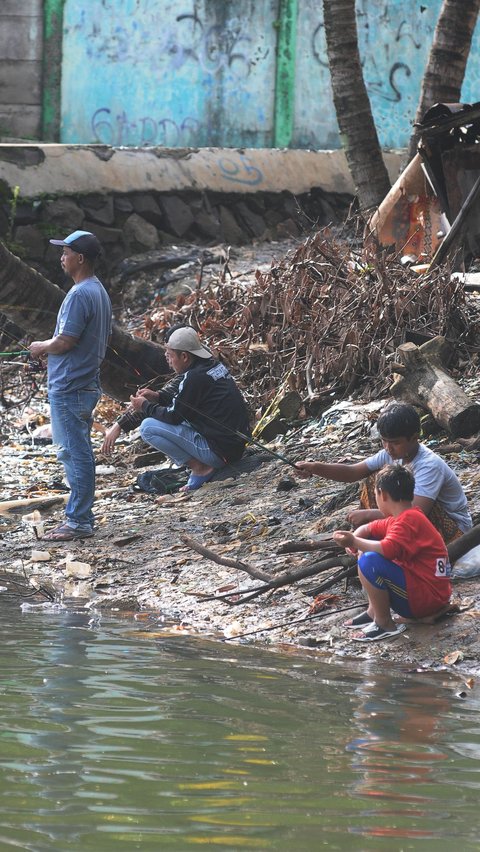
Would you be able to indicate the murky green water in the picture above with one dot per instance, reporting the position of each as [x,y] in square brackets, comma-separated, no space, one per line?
[114,739]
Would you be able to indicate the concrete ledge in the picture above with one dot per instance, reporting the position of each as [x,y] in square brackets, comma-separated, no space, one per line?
[70,169]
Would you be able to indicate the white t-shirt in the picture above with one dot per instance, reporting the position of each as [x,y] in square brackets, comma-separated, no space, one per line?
[433,479]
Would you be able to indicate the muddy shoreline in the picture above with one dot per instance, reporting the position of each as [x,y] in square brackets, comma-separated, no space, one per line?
[138,561]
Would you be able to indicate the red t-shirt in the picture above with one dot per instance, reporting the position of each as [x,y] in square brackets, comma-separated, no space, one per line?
[412,542]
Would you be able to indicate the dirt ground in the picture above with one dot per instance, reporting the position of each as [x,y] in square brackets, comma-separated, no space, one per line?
[139,562]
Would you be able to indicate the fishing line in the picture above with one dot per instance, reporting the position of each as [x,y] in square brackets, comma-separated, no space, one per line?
[289,623]
[246,438]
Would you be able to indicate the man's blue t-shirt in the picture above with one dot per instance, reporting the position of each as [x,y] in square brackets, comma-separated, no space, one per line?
[85,313]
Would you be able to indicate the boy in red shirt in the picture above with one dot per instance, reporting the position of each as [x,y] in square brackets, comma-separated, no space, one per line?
[404,563]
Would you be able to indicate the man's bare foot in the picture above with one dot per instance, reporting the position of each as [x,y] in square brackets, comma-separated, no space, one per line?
[200,475]
[198,468]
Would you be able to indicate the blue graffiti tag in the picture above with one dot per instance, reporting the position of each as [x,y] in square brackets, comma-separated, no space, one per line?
[240,173]
[146,131]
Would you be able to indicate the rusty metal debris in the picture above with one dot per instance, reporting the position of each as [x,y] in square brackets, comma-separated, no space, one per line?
[433,210]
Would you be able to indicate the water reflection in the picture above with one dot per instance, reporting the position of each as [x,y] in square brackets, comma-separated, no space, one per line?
[113,736]
[403,728]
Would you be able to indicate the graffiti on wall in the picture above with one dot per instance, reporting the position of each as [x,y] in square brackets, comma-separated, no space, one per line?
[188,39]
[202,73]
[119,129]
[240,169]
[394,39]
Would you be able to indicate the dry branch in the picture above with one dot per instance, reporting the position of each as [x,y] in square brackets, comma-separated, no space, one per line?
[326,317]
[224,560]
[286,578]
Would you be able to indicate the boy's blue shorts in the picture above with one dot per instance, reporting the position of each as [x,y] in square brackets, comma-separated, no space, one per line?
[387,576]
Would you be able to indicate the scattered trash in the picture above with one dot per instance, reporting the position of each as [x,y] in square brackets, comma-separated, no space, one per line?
[79,570]
[40,556]
[160,481]
[286,484]
[42,433]
[104,470]
[453,658]
[44,606]
[233,629]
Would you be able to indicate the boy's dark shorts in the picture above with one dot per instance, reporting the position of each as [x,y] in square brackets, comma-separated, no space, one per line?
[387,576]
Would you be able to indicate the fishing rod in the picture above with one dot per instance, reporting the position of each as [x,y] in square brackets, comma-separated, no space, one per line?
[32,365]
[248,439]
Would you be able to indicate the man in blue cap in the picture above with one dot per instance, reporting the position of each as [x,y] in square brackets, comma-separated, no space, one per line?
[75,354]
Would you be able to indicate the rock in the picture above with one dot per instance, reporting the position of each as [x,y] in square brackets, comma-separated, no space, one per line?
[26,213]
[230,231]
[99,208]
[287,483]
[64,213]
[139,234]
[145,205]
[40,556]
[178,216]
[107,236]
[254,223]
[80,570]
[287,228]
[123,207]
[208,224]
[31,239]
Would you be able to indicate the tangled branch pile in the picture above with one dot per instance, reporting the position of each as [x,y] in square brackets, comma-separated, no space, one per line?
[324,319]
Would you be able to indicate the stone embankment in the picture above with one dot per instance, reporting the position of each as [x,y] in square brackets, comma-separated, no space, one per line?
[137,200]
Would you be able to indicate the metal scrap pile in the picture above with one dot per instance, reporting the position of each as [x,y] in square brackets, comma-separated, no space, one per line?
[325,321]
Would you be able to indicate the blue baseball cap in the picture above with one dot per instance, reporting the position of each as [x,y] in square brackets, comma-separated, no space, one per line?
[83,242]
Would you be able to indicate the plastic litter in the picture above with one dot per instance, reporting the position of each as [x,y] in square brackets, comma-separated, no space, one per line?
[468,565]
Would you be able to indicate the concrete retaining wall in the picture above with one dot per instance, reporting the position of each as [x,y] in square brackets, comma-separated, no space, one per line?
[136,200]
[228,73]
[183,73]
[61,169]
[21,48]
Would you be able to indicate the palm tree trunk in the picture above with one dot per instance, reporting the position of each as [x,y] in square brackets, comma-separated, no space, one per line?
[354,115]
[443,77]
[31,302]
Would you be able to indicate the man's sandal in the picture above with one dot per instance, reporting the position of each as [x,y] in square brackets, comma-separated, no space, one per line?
[66,533]
[360,620]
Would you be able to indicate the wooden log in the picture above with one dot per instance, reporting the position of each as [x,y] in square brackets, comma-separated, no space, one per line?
[423,381]
[26,505]
[319,542]
[460,546]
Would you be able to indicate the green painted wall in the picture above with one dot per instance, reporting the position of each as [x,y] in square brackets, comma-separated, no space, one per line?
[52,69]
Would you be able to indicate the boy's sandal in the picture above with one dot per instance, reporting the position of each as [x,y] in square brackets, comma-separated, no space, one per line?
[360,620]
[377,633]
[65,533]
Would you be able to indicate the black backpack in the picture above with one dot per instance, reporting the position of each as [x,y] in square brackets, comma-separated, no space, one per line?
[160,481]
